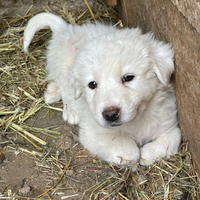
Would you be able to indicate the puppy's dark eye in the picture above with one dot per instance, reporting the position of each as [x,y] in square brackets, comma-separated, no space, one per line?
[127,78]
[92,85]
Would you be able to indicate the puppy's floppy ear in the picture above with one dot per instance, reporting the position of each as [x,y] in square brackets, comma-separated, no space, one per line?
[163,55]
[75,85]
[77,93]
[77,88]
[76,42]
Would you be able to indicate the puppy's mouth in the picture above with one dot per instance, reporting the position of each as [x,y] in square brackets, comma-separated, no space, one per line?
[114,124]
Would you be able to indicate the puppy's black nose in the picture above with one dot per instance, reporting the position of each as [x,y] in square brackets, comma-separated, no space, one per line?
[111,114]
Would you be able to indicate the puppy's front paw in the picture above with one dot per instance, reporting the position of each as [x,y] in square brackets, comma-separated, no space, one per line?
[52,93]
[159,148]
[130,160]
[148,156]
[70,116]
[126,153]
[150,152]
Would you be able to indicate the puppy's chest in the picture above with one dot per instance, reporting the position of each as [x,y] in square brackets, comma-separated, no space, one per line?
[145,134]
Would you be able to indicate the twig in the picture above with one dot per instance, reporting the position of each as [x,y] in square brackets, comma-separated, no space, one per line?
[80,164]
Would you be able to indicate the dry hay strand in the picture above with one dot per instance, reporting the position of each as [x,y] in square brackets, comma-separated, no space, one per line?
[22,83]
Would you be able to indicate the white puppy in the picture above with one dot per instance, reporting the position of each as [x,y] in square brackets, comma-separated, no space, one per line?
[115,85]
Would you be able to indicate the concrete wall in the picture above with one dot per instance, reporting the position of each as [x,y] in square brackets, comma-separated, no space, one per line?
[176,22]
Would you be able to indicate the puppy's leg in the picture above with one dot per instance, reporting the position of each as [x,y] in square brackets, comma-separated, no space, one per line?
[69,114]
[69,109]
[52,94]
[164,146]
[112,147]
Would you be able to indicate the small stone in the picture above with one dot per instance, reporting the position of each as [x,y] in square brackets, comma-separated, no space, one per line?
[69,172]
[75,137]
[25,190]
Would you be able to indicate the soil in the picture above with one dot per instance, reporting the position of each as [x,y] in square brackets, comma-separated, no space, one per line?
[28,175]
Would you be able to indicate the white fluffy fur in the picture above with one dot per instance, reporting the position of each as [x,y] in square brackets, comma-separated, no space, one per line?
[147,127]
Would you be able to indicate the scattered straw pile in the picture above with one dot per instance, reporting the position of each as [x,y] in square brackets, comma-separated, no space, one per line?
[174,178]
[22,83]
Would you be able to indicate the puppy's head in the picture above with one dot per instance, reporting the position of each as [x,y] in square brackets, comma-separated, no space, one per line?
[118,74]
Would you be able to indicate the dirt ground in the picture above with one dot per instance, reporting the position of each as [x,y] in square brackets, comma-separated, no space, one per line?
[30,175]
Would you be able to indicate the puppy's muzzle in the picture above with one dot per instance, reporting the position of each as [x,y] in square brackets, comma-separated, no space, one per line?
[111,114]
